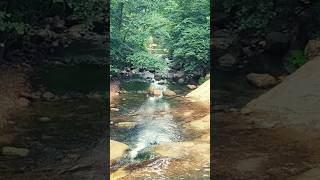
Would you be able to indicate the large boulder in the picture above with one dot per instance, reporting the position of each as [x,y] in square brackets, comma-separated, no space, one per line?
[117,150]
[178,75]
[261,80]
[312,49]
[294,101]
[201,94]
[168,92]
[154,91]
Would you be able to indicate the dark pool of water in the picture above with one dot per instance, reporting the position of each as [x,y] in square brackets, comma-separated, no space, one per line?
[81,78]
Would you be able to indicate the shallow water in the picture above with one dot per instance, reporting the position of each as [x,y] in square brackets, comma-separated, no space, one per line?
[155,123]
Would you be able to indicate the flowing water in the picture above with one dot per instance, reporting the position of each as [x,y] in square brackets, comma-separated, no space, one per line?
[154,123]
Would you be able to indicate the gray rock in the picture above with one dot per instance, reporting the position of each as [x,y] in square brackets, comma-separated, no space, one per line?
[176,66]
[170,76]
[262,80]
[178,75]
[168,92]
[294,101]
[76,31]
[48,95]
[13,151]
[191,86]
[44,119]
[246,111]
[181,81]
[126,125]
[227,61]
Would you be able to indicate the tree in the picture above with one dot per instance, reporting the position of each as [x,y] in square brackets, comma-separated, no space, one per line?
[180,26]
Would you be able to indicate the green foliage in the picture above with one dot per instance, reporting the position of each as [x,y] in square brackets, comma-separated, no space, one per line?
[132,24]
[202,80]
[7,25]
[89,11]
[143,156]
[256,14]
[296,59]
[191,34]
[193,47]
[114,70]
[147,61]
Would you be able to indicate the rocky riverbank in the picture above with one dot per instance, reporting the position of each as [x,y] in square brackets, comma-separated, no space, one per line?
[274,136]
[189,158]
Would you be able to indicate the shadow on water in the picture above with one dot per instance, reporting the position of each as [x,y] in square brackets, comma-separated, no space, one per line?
[232,88]
[81,78]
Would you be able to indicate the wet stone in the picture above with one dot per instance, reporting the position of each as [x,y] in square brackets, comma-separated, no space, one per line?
[13,151]
[114,109]
[44,119]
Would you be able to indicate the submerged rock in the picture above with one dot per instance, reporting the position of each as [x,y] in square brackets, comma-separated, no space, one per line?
[127,125]
[13,151]
[168,92]
[117,150]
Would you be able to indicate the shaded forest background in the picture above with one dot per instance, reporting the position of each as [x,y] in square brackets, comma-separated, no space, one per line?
[249,32]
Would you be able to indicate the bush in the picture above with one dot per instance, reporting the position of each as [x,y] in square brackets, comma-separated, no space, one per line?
[296,59]
[202,80]
[144,60]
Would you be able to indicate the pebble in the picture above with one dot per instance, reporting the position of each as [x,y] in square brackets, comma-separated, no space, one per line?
[44,119]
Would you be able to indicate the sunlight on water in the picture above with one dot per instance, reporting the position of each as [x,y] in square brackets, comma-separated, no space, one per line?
[155,123]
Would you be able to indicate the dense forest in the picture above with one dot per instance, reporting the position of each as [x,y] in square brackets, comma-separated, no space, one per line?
[36,26]
[180,29]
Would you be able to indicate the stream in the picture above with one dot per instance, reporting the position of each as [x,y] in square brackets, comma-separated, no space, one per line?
[145,122]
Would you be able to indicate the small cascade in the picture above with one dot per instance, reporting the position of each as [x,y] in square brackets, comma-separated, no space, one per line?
[155,123]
